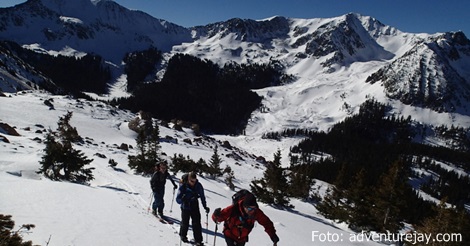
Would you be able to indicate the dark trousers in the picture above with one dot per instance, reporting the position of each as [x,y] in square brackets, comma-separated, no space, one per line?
[195,216]
[158,202]
[231,242]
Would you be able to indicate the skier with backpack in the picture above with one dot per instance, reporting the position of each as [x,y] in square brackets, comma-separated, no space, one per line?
[239,219]
[157,183]
[188,193]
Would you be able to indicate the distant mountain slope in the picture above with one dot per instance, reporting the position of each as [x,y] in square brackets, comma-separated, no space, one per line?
[16,74]
[332,60]
[102,27]
[434,73]
[337,62]
[339,41]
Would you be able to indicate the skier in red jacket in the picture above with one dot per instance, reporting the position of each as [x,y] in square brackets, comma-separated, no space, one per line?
[239,220]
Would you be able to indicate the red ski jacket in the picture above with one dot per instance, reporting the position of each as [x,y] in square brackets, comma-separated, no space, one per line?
[238,224]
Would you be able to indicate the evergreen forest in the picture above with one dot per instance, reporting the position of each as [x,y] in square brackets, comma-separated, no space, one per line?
[378,173]
[220,100]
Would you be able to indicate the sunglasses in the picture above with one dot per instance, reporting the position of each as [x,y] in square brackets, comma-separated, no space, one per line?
[250,209]
[192,180]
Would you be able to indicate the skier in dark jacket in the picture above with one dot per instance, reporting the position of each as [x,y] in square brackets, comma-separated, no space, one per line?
[240,219]
[157,183]
[188,193]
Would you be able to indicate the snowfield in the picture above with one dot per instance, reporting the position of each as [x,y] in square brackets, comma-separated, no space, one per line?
[113,209]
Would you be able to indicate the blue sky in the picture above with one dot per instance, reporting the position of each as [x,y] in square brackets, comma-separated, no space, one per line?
[416,16]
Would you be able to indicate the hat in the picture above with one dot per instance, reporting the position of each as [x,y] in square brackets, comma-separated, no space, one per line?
[250,201]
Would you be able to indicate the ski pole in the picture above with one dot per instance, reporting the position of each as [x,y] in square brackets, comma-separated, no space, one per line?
[207,227]
[215,232]
[151,200]
[172,200]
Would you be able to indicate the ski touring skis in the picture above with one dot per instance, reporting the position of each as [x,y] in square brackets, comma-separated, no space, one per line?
[164,219]
[192,242]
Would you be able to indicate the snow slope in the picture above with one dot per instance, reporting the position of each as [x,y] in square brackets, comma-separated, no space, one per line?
[113,209]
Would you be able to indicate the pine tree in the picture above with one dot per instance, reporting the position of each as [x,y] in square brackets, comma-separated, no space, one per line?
[271,188]
[179,163]
[358,196]
[335,205]
[9,237]
[214,164]
[61,161]
[75,170]
[446,220]
[51,160]
[68,133]
[154,142]
[200,166]
[462,224]
[148,146]
[230,177]
[300,182]
[389,198]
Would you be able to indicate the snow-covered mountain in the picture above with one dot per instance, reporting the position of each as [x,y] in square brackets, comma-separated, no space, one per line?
[338,62]
[333,59]
[101,27]
[432,73]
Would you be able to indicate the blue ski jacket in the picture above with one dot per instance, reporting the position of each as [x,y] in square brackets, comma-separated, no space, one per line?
[187,196]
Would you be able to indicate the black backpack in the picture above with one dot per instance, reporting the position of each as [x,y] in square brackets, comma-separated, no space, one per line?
[240,196]
[184,179]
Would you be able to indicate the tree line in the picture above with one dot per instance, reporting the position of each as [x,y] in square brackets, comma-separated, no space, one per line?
[219,99]
[139,65]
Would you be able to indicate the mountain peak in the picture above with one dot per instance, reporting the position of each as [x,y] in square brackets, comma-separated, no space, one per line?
[95,2]
[347,39]
[457,38]
[248,30]
[64,7]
